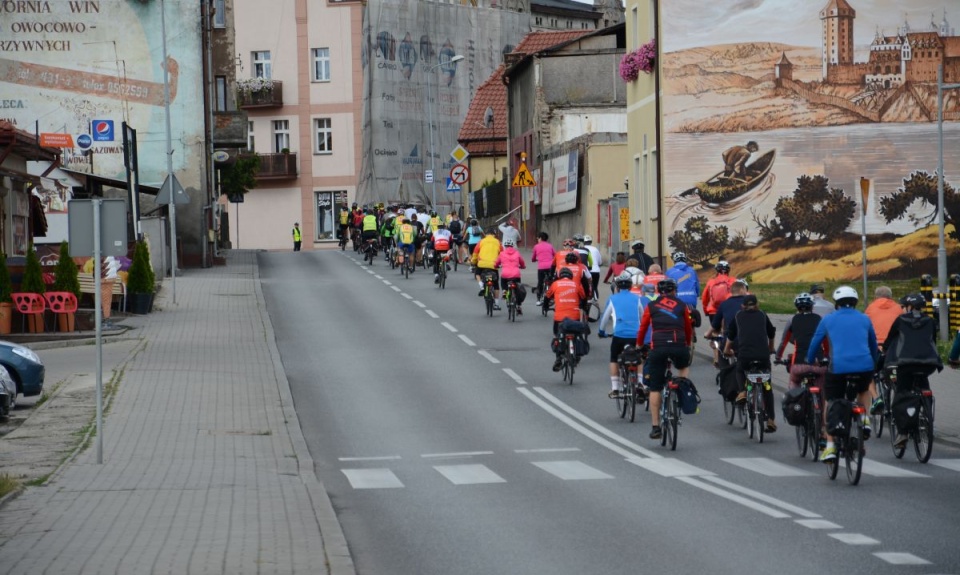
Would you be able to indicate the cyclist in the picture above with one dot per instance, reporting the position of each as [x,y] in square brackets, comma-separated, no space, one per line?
[616,267]
[368,225]
[911,346]
[624,308]
[455,225]
[567,294]
[752,334]
[442,241]
[655,275]
[434,221]
[596,260]
[688,285]
[560,258]
[510,262]
[717,289]
[853,354]
[644,261]
[386,231]
[484,258]
[584,253]
[669,319]
[580,274]
[418,239]
[509,231]
[474,234]
[799,331]
[726,311]
[821,306]
[882,311]
[406,236]
[344,222]
[543,254]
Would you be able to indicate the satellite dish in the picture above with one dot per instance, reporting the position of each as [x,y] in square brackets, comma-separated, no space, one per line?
[488,117]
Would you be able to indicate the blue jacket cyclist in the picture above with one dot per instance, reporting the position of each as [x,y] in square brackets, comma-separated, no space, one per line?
[688,284]
[624,308]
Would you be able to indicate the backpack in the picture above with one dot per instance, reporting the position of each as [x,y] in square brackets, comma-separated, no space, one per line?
[720,290]
[795,403]
[839,412]
[906,411]
[441,244]
[455,227]
[727,383]
[689,398]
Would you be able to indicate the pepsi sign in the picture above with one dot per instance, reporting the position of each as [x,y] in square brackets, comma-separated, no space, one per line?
[84,141]
[102,130]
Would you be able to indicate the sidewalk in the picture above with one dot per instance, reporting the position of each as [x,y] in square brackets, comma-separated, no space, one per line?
[205,467]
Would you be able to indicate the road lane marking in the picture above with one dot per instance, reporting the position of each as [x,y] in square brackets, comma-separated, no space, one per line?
[953,464]
[548,450]
[571,470]
[387,282]
[449,327]
[406,295]
[895,558]
[877,469]
[373,458]
[467,340]
[583,418]
[514,376]
[420,304]
[733,497]
[378,276]
[469,474]
[576,426]
[818,524]
[372,478]
[668,467]
[767,466]
[455,454]
[396,289]
[854,538]
[765,498]
[431,314]
[487,355]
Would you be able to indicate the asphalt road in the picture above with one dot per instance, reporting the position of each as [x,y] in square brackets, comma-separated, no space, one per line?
[447,445]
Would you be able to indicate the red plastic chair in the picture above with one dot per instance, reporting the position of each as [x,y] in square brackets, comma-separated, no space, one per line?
[61,302]
[28,304]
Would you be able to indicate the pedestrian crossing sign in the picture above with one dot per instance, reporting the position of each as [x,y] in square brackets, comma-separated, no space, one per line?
[523,178]
[451,186]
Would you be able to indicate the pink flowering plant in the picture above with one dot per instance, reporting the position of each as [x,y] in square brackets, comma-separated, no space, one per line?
[640,60]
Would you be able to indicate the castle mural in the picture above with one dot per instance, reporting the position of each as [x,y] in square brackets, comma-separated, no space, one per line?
[765,140]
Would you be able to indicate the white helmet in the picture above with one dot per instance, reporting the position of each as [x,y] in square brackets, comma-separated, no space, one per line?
[845,292]
[508,243]
[587,239]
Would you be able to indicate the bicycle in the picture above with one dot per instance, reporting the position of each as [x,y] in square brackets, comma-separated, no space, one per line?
[343,241]
[488,291]
[729,396]
[592,313]
[849,443]
[757,381]
[670,413]
[810,433]
[355,238]
[545,302]
[510,298]
[370,251]
[884,392]
[629,364]
[442,270]
[922,432]
[568,334]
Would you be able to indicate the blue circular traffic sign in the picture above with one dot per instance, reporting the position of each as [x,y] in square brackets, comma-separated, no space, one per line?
[84,141]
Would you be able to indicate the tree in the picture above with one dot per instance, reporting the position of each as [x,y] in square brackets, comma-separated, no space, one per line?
[922,187]
[699,241]
[6,287]
[140,276]
[32,274]
[814,210]
[65,275]
[239,178]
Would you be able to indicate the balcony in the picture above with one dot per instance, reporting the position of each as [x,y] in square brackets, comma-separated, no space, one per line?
[271,97]
[277,166]
[229,129]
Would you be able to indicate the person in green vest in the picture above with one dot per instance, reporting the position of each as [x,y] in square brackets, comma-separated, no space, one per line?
[297,237]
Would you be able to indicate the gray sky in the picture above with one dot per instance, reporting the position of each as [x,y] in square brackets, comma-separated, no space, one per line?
[690,23]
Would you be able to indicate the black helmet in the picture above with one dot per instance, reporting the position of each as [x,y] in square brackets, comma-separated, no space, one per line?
[572,258]
[913,301]
[565,273]
[667,285]
[723,266]
[624,281]
[803,301]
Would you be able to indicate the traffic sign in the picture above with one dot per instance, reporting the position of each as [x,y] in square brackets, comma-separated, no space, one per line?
[459,154]
[459,173]
[523,178]
[453,186]
[171,185]
[428,176]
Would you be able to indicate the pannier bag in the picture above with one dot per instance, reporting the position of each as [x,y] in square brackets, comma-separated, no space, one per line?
[581,346]
[727,382]
[906,411]
[630,356]
[794,405]
[689,398]
[839,412]
[574,326]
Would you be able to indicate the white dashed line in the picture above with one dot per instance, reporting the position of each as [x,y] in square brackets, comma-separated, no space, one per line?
[762,497]
[378,276]
[854,539]
[487,355]
[455,454]
[449,327]
[375,458]
[513,375]
[395,288]
[901,558]
[466,340]
[818,524]
[749,503]
[431,314]
[387,282]
[547,450]
[420,304]
[406,295]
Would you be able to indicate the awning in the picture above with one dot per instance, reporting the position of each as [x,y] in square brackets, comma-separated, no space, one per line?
[102,181]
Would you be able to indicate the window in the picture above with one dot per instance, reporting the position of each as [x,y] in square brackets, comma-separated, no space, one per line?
[539,21]
[219,14]
[635,17]
[251,147]
[221,93]
[325,214]
[261,65]
[281,136]
[321,64]
[324,129]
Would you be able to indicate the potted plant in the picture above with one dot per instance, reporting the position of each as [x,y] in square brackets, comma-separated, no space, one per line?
[33,283]
[66,279]
[6,302]
[140,280]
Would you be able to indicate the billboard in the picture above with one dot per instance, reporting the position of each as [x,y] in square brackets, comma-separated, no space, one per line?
[773,111]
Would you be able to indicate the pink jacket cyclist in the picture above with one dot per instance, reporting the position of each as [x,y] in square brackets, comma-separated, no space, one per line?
[510,262]
[543,253]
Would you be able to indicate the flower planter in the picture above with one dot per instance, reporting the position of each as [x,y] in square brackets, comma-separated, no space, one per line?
[35,323]
[6,318]
[139,303]
[66,321]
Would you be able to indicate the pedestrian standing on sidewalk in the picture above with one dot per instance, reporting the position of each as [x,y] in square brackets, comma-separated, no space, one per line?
[508,231]
[297,237]
[543,254]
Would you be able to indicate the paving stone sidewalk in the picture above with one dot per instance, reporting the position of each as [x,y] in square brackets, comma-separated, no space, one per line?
[205,467]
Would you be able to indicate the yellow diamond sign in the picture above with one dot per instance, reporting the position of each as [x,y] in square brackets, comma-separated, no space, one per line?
[459,154]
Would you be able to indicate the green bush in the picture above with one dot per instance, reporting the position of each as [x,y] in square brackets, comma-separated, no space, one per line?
[6,288]
[140,276]
[32,274]
[65,274]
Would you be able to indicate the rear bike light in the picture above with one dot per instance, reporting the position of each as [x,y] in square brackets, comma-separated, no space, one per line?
[673,385]
[814,390]
[926,393]
[859,410]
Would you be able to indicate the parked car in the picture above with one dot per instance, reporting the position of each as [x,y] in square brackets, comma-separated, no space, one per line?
[24,366]
[8,395]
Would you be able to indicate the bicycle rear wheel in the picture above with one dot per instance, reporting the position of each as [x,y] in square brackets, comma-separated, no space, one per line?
[729,411]
[879,417]
[802,439]
[853,453]
[761,412]
[673,413]
[443,276]
[897,451]
[634,398]
[923,435]
[622,396]
[488,299]
[743,417]
[664,415]
[813,433]
[751,416]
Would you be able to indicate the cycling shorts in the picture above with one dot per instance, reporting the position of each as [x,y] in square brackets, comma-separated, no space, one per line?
[408,248]
[617,344]
[504,282]
[657,362]
[836,385]
[370,235]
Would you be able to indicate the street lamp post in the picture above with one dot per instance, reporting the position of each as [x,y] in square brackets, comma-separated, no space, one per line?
[942,249]
[428,70]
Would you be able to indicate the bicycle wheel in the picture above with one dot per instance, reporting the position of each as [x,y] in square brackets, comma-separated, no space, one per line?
[634,397]
[923,435]
[393,260]
[742,415]
[443,276]
[406,268]
[511,306]
[878,418]
[802,440]
[751,416]
[622,396]
[593,311]
[488,299]
[664,428]
[456,260]
[761,412]
[897,451]
[853,453]
[571,363]
[673,414]
[813,433]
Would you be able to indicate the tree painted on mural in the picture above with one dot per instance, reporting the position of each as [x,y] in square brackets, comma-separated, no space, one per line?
[922,187]
[815,211]
[699,240]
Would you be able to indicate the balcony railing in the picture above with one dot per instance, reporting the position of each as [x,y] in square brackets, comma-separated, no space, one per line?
[272,98]
[277,166]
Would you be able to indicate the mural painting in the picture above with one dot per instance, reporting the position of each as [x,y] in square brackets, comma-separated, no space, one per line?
[766,138]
